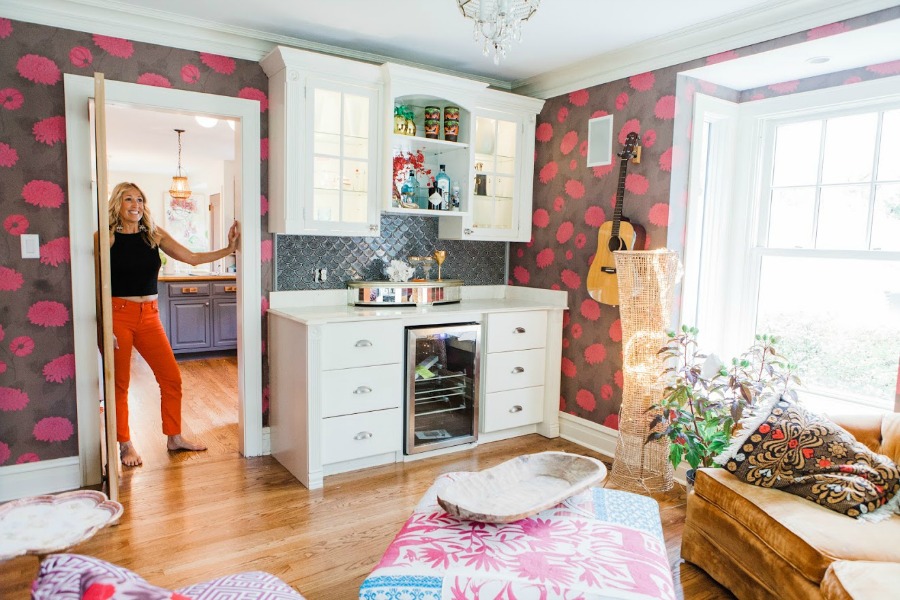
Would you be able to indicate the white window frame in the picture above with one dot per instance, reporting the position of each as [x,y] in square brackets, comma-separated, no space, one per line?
[724,242]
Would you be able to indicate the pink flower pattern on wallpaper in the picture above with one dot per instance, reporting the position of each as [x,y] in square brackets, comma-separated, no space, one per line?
[249,93]
[6,28]
[219,64]
[265,251]
[21,346]
[48,313]
[50,130]
[55,252]
[12,399]
[154,79]
[4,453]
[8,155]
[11,99]
[10,279]
[38,69]
[53,429]
[81,57]
[190,73]
[15,224]
[60,369]
[28,457]
[44,194]
[118,47]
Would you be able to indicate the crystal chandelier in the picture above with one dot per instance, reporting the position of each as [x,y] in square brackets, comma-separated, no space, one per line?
[180,189]
[498,22]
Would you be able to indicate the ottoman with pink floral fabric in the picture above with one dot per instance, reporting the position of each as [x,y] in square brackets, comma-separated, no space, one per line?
[599,544]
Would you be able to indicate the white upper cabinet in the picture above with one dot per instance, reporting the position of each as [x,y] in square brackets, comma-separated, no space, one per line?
[325,144]
[501,171]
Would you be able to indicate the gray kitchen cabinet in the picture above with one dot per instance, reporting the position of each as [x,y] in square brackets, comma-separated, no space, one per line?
[199,316]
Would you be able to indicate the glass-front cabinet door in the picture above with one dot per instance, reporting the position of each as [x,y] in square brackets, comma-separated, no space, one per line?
[342,159]
[493,200]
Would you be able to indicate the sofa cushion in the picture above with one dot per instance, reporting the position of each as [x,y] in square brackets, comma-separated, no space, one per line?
[100,586]
[803,534]
[792,449]
[861,580]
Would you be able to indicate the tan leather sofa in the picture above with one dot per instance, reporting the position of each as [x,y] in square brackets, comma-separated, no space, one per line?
[765,544]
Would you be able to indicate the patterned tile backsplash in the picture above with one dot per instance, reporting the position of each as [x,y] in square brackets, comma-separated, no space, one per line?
[364,258]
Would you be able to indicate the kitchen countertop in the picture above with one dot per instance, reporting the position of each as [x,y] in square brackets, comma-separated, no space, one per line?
[330,306]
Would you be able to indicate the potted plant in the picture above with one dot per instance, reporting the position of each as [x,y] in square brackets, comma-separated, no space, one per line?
[704,401]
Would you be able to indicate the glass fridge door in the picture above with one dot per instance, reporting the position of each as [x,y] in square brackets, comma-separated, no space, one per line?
[442,386]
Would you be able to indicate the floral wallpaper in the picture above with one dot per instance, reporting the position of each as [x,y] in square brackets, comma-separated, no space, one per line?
[571,200]
[37,362]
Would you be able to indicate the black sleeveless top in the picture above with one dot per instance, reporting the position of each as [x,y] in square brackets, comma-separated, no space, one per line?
[134,266]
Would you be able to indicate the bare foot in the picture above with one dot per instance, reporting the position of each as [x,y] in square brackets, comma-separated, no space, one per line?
[129,456]
[177,442]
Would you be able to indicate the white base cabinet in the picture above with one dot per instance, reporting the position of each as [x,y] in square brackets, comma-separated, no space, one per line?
[337,388]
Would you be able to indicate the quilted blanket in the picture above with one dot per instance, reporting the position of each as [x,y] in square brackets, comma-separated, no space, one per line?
[599,544]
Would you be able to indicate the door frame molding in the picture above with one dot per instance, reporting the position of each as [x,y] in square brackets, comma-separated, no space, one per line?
[82,198]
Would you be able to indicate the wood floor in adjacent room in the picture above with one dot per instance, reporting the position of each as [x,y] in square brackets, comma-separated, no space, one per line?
[195,516]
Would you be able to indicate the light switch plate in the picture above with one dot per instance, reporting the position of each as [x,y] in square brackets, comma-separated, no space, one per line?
[31,245]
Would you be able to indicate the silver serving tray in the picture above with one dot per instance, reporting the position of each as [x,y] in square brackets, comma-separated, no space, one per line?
[406,293]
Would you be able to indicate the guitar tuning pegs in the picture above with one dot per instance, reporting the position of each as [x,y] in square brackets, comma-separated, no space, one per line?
[636,159]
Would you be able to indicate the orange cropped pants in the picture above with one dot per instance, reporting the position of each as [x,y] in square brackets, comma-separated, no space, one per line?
[137,325]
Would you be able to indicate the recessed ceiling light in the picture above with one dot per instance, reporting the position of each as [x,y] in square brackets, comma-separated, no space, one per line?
[206,121]
[818,60]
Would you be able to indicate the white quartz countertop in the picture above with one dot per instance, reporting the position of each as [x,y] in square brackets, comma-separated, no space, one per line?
[304,307]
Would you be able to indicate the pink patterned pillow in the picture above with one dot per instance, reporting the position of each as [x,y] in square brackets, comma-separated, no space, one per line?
[98,586]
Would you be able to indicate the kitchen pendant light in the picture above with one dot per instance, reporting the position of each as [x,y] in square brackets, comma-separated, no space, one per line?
[498,22]
[180,189]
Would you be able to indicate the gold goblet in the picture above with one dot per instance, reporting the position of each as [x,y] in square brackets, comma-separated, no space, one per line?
[440,256]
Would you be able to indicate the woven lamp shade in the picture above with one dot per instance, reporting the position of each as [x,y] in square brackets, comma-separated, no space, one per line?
[646,287]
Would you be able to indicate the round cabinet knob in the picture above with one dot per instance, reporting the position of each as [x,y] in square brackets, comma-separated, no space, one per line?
[362,435]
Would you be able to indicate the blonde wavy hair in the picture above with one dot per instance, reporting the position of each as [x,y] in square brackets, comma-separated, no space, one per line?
[149,230]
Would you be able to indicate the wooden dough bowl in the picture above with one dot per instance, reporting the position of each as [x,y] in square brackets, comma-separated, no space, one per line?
[520,487]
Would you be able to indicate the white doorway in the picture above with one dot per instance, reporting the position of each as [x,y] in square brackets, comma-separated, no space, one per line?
[82,212]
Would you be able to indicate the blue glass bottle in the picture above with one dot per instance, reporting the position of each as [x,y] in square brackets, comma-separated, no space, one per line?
[442,183]
[410,188]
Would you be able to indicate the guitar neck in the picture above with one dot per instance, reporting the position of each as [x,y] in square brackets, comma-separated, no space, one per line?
[620,196]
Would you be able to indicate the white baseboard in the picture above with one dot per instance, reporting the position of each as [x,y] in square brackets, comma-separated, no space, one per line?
[42,477]
[599,438]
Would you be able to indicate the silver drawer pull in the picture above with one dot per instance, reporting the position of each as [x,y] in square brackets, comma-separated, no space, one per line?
[518,370]
[519,330]
[363,344]
[363,389]
[362,435]
[515,409]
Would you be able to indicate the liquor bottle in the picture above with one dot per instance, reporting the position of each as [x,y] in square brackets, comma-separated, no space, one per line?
[410,188]
[454,198]
[442,183]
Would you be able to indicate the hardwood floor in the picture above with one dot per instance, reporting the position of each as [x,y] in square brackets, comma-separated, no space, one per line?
[194,516]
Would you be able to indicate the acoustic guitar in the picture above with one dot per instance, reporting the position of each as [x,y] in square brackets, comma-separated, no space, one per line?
[618,234]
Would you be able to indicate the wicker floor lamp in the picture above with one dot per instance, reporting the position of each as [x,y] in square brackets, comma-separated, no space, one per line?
[646,285]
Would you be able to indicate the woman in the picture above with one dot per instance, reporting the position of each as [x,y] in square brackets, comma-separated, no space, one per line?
[135,241]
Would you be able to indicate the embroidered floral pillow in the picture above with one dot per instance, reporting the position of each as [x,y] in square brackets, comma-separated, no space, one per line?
[789,448]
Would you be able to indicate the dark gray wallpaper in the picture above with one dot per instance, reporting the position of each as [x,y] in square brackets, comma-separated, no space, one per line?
[364,258]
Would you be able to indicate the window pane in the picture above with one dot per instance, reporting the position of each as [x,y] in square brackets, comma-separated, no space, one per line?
[328,111]
[797,154]
[849,149]
[356,126]
[844,343]
[791,218]
[886,223]
[843,216]
[889,162]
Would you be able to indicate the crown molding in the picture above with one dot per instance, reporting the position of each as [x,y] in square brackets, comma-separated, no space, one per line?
[119,19]
[751,26]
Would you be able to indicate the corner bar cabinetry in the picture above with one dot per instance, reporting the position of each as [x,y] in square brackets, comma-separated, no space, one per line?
[325,143]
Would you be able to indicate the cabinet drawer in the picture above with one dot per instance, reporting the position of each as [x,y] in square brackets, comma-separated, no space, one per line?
[188,288]
[513,408]
[361,344]
[348,391]
[224,289]
[514,370]
[357,436]
[516,331]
